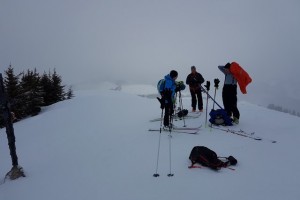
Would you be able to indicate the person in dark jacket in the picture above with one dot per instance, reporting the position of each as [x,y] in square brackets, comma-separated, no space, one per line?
[229,94]
[194,80]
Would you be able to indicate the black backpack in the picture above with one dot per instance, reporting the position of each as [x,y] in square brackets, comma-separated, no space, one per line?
[182,113]
[209,158]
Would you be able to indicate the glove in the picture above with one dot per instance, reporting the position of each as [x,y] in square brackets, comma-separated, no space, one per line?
[232,160]
[162,102]
[207,85]
[217,81]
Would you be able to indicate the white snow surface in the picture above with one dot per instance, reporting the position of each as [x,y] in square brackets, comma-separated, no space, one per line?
[97,146]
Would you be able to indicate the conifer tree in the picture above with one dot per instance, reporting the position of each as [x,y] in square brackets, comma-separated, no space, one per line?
[28,94]
[47,88]
[57,88]
[53,88]
[13,90]
[32,90]
[70,93]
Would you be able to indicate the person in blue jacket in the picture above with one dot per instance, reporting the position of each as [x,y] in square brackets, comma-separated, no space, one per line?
[168,90]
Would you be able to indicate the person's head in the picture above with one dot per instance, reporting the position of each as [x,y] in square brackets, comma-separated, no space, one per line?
[193,69]
[174,74]
[227,68]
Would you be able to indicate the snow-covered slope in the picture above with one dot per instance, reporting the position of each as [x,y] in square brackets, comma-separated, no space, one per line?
[97,146]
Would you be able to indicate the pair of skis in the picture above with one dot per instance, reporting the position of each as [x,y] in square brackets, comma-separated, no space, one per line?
[195,130]
[242,133]
[178,118]
[187,130]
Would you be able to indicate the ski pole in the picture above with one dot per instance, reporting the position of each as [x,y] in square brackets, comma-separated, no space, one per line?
[174,106]
[211,97]
[181,108]
[207,88]
[213,107]
[158,149]
[170,143]
[214,98]
[216,81]
[161,119]
[170,156]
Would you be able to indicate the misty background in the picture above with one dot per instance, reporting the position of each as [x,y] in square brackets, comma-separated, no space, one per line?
[140,41]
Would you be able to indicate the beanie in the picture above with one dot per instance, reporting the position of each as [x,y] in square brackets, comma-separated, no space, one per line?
[227,66]
[173,74]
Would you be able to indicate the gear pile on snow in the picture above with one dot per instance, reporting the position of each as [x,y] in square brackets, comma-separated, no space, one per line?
[207,157]
[220,117]
[182,113]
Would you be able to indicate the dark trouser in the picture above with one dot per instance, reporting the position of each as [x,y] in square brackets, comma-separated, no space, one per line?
[229,96]
[196,94]
[168,113]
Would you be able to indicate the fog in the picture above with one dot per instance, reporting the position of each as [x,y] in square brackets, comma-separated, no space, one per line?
[140,41]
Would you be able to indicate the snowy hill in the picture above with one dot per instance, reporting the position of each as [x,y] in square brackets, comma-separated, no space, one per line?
[97,146]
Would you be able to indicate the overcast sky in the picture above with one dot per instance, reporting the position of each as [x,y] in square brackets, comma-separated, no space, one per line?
[140,41]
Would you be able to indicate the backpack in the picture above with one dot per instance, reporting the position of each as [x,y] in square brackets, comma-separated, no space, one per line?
[220,117]
[182,113]
[209,158]
[179,86]
[161,85]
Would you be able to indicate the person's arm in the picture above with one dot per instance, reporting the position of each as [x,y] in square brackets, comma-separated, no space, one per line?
[200,78]
[222,69]
[188,81]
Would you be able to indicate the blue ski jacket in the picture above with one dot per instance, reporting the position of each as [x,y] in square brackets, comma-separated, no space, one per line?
[170,84]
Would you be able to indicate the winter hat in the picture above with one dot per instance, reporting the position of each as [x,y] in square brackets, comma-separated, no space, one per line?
[227,66]
[173,74]
[193,67]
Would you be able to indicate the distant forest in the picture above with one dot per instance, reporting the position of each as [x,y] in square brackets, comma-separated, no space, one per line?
[285,110]
[28,91]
